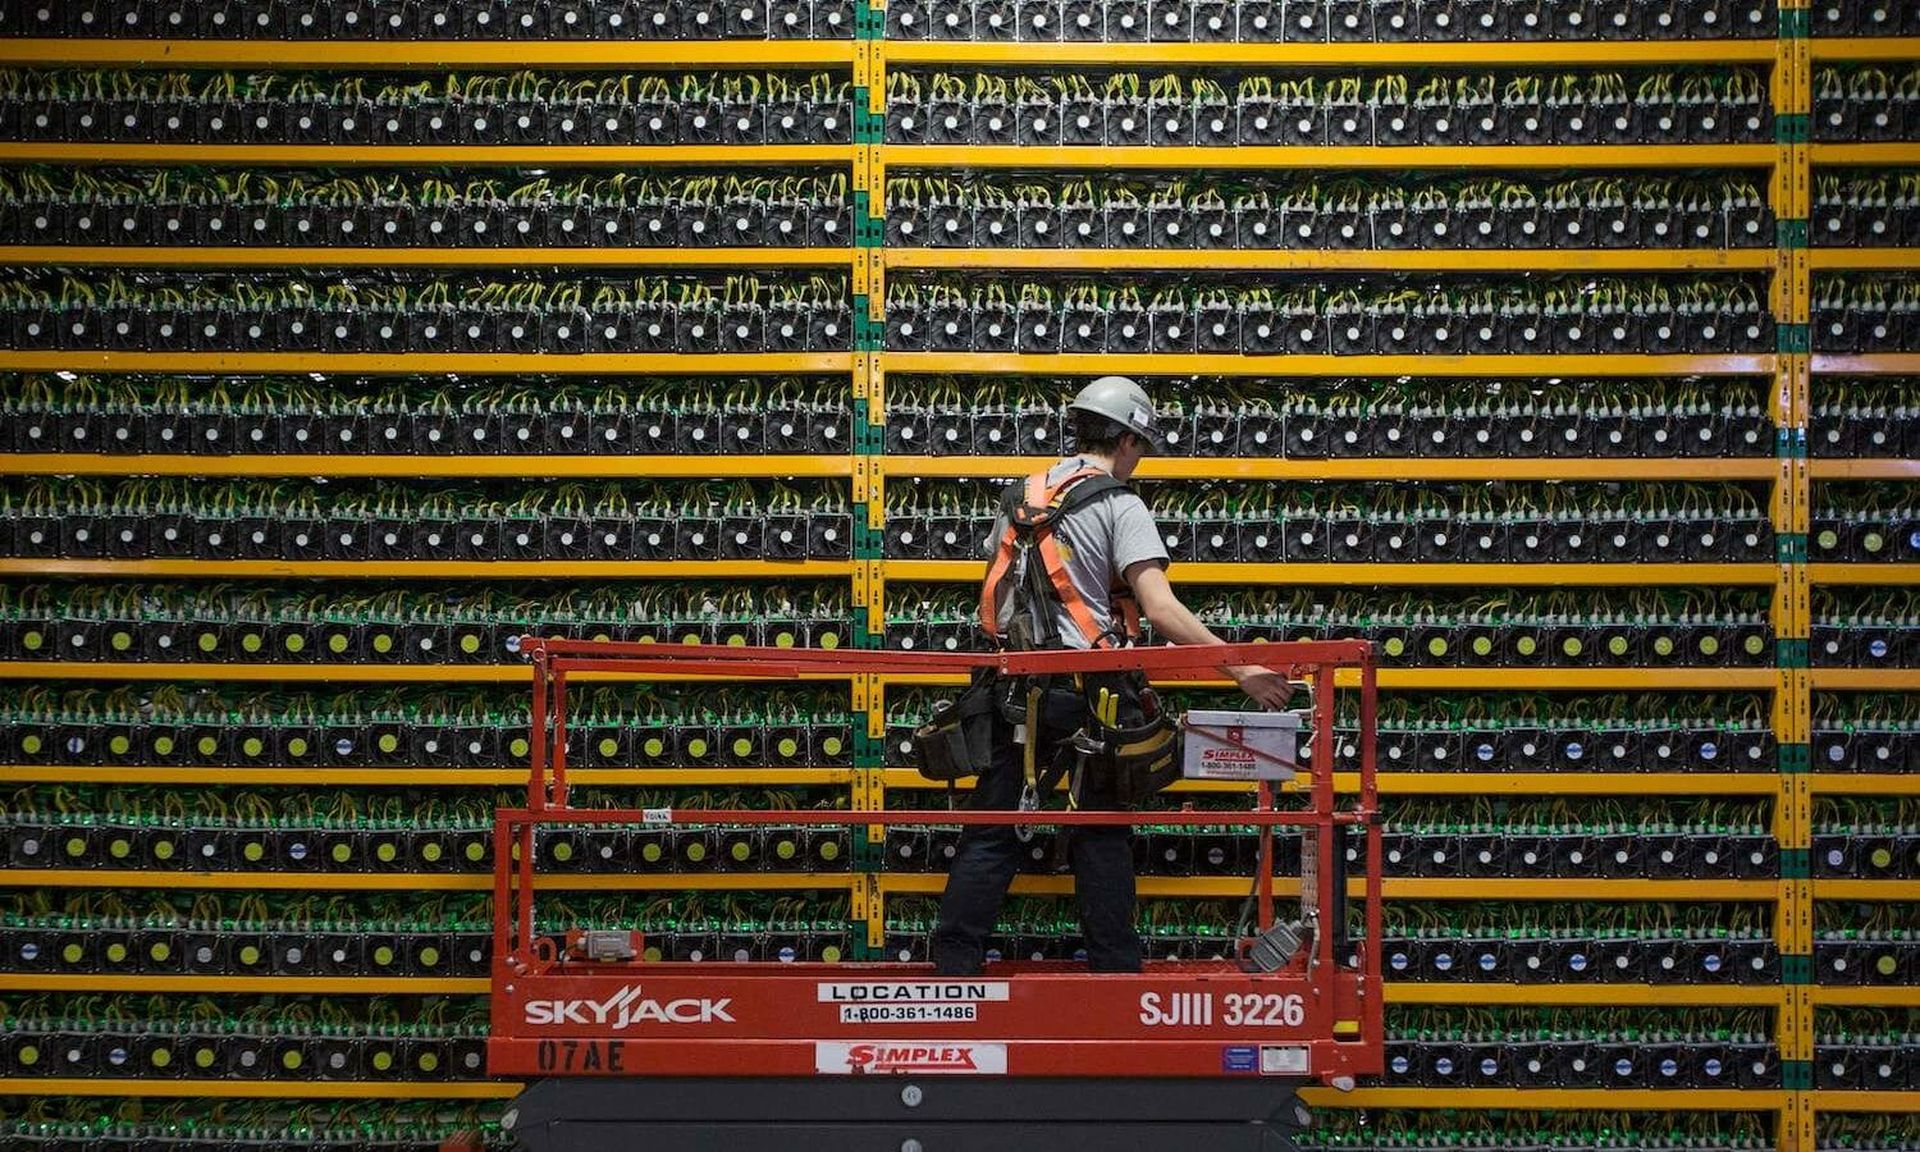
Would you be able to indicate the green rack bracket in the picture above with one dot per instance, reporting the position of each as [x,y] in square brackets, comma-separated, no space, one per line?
[1790,547]
[868,855]
[1794,338]
[1790,444]
[1796,863]
[1796,969]
[1796,758]
[1790,652]
[1790,233]
[868,333]
[869,438]
[1796,1075]
[868,541]
[869,127]
[869,751]
[869,231]
[1796,23]
[1793,128]
[869,23]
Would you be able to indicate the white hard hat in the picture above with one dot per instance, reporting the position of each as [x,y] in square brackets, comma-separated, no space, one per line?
[1122,401]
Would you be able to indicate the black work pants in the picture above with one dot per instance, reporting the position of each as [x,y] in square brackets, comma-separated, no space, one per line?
[989,855]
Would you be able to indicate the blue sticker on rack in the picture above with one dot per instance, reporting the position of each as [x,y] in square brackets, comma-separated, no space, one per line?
[1239,1059]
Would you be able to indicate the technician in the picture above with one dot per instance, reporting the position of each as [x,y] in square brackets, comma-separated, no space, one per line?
[1077,562]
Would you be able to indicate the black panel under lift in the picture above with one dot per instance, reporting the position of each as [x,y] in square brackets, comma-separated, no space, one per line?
[906,1114]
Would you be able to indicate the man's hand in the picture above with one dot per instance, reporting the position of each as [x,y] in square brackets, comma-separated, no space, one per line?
[1264,686]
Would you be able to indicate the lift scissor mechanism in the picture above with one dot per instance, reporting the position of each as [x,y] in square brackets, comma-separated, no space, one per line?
[792,1054]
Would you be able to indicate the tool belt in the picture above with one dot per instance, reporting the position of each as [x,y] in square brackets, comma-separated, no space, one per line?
[1127,746]
[1129,742]
[957,740]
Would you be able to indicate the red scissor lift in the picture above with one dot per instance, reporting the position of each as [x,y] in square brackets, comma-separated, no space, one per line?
[784,1055]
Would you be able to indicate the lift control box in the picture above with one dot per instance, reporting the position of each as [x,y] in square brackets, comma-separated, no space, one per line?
[1222,745]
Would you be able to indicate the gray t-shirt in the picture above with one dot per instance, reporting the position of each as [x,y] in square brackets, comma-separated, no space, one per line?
[1098,541]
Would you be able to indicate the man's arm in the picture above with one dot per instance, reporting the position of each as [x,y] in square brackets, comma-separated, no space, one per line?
[1173,620]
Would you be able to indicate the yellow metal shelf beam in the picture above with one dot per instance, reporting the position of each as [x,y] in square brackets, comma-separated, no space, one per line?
[429,257]
[420,881]
[587,364]
[1866,48]
[270,1089]
[1314,260]
[425,777]
[1495,679]
[1407,888]
[1190,572]
[1866,469]
[1829,1100]
[1865,784]
[1864,259]
[339,673]
[1866,679]
[244,985]
[1903,574]
[1334,55]
[1375,468]
[1466,783]
[1866,891]
[1674,1099]
[1868,155]
[752,156]
[1285,367]
[1882,997]
[610,54]
[424,467]
[1606,995]
[439,569]
[1869,364]
[1322,158]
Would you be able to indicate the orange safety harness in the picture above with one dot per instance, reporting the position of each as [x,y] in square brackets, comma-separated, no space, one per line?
[1032,513]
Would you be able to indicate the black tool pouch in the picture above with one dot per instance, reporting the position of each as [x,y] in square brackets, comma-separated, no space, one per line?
[1142,746]
[957,740]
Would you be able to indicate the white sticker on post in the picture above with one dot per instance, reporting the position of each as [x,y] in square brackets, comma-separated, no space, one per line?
[656,816]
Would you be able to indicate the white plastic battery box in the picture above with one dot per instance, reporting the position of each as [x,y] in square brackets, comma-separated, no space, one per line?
[1241,745]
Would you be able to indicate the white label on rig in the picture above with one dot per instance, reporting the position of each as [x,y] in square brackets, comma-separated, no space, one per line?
[911,991]
[656,816]
[1276,1061]
[914,1057]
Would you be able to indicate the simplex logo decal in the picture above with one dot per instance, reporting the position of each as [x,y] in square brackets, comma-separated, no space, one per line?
[923,1057]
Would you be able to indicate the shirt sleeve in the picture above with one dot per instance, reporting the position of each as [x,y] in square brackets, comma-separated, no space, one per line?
[991,545]
[1135,535]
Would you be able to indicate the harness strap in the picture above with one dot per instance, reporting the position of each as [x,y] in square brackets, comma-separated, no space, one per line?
[990,591]
[1036,513]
